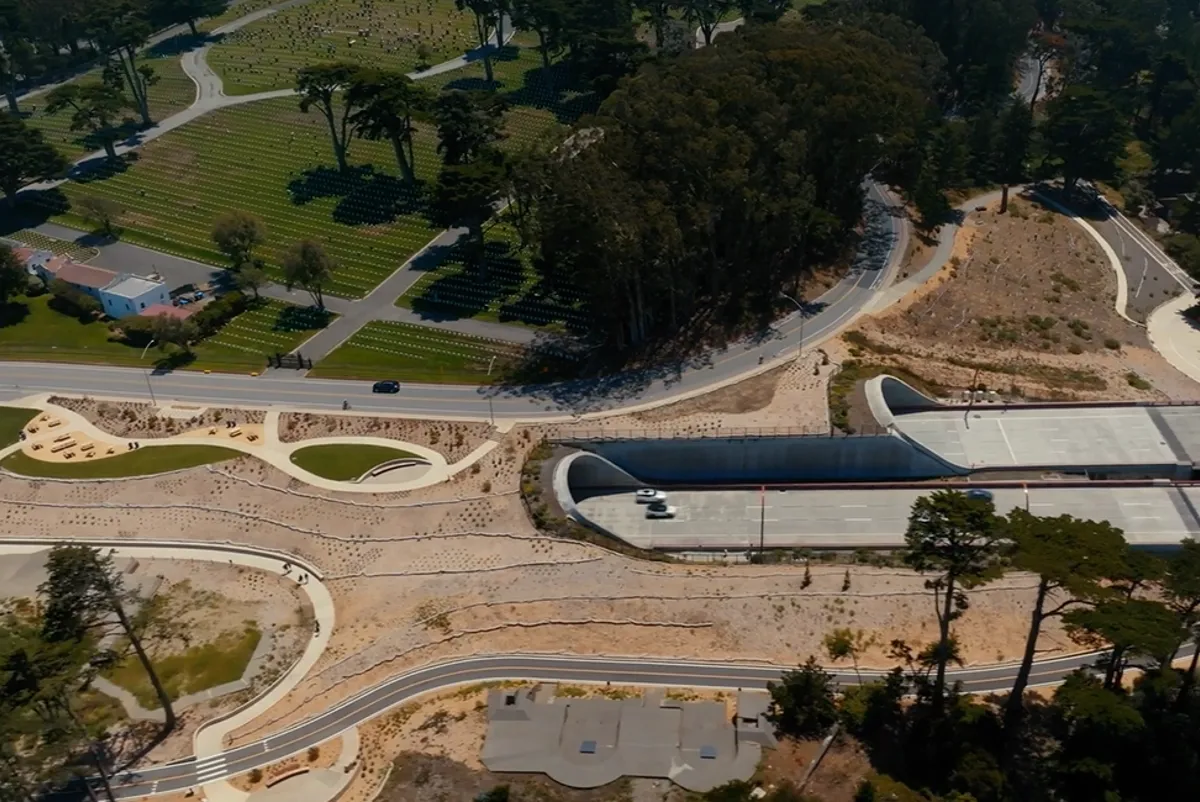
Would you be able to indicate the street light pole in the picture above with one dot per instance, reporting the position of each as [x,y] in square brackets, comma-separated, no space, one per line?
[762,523]
[803,315]
[146,373]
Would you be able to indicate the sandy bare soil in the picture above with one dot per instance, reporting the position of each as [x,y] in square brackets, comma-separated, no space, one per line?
[131,419]
[789,396]
[452,570]
[1027,302]
[452,440]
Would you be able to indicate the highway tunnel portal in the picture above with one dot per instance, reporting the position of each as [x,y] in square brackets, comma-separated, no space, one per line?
[1129,464]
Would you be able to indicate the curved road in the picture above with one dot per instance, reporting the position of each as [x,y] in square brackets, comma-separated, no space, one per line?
[526,667]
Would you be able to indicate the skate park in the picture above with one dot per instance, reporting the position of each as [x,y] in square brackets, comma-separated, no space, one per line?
[1129,464]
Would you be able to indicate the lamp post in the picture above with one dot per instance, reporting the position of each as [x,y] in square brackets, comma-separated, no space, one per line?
[803,315]
[146,373]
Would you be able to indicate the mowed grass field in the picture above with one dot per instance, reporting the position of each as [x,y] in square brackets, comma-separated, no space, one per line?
[505,290]
[405,352]
[244,342]
[173,93]
[345,462]
[269,158]
[267,53]
[142,462]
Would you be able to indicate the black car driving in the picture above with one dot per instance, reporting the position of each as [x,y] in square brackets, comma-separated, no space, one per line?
[387,386]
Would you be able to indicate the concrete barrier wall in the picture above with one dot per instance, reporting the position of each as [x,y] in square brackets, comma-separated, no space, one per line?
[751,460]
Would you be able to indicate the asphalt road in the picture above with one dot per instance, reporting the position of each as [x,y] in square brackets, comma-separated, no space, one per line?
[875,518]
[877,258]
[621,671]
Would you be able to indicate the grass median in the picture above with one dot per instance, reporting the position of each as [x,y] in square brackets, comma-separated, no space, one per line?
[345,462]
[142,462]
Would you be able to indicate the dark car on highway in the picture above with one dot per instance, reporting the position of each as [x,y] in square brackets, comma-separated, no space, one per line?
[388,386]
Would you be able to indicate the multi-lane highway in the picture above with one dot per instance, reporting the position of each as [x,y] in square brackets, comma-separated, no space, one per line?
[465,671]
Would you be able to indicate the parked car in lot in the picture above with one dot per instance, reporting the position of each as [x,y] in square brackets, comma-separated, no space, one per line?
[386,386]
[660,510]
[980,495]
[648,495]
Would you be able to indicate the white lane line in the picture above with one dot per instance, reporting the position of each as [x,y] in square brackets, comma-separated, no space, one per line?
[211,775]
[209,761]
[848,506]
[1003,434]
[858,520]
[1136,504]
[1144,518]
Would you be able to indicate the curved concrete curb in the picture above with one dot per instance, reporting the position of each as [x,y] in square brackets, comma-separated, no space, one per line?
[878,390]
[1174,337]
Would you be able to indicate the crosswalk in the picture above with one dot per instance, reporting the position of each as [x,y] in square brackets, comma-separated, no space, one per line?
[210,768]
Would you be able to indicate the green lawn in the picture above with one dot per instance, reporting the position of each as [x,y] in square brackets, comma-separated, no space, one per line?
[31,330]
[12,421]
[243,343]
[344,462]
[174,92]
[507,290]
[234,12]
[405,352]
[142,462]
[267,54]
[198,668]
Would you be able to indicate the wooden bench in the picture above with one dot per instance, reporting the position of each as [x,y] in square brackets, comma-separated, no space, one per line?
[235,432]
[53,423]
[63,446]
[62,437]
[87,447]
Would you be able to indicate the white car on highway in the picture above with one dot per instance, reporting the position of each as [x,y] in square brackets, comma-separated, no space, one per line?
[660,510]
[648,495]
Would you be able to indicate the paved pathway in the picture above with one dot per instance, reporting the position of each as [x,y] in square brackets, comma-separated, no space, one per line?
[270,449]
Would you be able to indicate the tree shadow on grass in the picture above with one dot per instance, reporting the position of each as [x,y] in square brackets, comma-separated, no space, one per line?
[101,168]
[300,318]
[12,313]
[367,196]
[179,44]
[32,208]
[471,290]
[557,90]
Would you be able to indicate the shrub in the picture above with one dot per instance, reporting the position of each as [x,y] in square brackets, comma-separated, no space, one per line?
[255,776]
[1112,345]
[71,301]
[314,752]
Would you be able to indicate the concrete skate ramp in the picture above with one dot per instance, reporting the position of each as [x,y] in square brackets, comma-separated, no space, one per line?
[769,460]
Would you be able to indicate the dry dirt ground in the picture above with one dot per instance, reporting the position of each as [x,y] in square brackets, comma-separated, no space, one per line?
[451,570]
[789,396]
[1027,301]
[131,419]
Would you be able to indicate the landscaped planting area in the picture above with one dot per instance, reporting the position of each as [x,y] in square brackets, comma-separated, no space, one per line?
[507,290]
[271,159]
[173,93]
[402,351]
[142,462]
[344,462]
[244,342]
[266,54]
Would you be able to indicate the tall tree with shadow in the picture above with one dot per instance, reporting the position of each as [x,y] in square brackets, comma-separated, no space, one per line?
[467,194]
[319,86]
[467,124]
[953,537]
[96,108]
[548,19]
[84,592]
[25,156]
[488,15]
[385,105]
[120,30]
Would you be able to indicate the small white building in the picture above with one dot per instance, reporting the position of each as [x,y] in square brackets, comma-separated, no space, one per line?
[129,295]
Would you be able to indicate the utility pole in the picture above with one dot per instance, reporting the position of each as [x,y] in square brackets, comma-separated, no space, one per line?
[971,399]
[146,373]
[803,315]
[762,523]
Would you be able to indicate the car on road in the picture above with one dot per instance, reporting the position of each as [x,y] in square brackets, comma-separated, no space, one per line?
[980,495]
[660,510]
[648,495]
[386,386]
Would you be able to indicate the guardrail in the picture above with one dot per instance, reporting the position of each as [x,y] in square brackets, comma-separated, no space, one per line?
[566,435]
